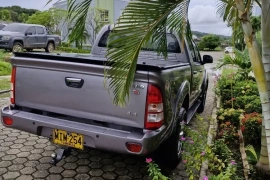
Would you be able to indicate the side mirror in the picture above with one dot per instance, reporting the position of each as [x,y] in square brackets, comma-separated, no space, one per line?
[28,33]
[207,59]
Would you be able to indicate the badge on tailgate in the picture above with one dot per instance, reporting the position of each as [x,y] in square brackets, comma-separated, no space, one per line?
[68,139]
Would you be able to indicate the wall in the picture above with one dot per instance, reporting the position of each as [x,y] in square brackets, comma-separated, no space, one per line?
[119,6]
[108,5]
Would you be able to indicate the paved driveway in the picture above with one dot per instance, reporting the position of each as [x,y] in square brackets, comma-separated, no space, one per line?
[25,156]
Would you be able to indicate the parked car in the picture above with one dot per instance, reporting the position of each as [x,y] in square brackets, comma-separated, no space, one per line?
[228,50]
[18,36]
[62,97]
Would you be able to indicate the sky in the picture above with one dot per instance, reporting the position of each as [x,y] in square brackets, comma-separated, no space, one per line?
[202,14]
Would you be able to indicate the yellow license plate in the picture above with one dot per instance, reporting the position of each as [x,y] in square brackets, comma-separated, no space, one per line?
[68,139]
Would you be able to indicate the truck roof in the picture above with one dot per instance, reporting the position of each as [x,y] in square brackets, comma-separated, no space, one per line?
[24,24]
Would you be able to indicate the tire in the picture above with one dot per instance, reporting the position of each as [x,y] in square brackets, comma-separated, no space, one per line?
[17,47]
[170,151]
[203,100]
[50,47]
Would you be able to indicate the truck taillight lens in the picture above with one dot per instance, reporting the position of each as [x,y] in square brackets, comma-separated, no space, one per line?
[12,86]
[154,115]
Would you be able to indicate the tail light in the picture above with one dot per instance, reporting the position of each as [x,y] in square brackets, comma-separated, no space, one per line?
[7,121]
[12,86]
[134,147]
[154,115]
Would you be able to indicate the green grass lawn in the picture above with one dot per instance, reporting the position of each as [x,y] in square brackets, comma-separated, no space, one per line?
[4,85]
[5,66]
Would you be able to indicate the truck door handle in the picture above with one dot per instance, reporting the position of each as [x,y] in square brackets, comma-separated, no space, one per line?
[194,72]
[74,82]
[200,70]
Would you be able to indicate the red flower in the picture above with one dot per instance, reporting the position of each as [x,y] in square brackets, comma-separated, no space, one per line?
[242,128]
[227,123]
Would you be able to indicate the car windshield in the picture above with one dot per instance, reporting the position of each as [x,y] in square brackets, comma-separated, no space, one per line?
[172,43]
[15,28]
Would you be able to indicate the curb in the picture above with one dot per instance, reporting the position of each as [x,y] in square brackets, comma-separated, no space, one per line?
[212,131]
[5,91]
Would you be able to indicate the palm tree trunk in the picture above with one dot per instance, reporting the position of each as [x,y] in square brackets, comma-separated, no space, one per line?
[266,61]
[260,76]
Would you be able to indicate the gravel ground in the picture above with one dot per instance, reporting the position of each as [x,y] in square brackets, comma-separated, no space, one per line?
[26,156]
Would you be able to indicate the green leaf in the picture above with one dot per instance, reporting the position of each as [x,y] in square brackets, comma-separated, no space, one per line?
[142,22]
[49,1]
[77,14]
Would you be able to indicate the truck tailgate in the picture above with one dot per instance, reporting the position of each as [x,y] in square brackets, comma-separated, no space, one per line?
[41,84]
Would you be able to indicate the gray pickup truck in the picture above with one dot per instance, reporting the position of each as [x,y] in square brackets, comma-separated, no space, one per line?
[62,97]
[18,36]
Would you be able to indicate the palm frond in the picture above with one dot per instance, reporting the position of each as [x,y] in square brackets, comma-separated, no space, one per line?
[142,22]
[49,1]
[78,12]
[227,11]
[240,59]
[259,3]
[251,149]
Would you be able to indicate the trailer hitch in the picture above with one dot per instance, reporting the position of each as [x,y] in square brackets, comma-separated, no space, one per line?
[60,154]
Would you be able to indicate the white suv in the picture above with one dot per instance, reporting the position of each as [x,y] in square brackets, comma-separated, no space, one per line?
[228,50]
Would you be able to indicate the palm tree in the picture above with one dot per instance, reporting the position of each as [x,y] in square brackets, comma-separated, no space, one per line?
[242,16]
[144,21]
[265,26]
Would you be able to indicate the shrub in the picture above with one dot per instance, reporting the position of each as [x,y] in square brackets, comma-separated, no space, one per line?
[229,115]
[72,50]
[65,44]
[228,132]
[5,68]
[251,126]
[248,103]
[222,151]
[228,88]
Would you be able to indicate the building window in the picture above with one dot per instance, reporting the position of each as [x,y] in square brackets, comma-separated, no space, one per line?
[104,16]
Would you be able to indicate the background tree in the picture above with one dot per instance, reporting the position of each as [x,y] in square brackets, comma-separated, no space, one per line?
[6,16]
[17,14]
[52,19]
[210,42]
[23,17]
[256,23]
[94,23]
[14,16]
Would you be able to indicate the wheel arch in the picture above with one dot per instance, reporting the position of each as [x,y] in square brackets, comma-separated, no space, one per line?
[19,41]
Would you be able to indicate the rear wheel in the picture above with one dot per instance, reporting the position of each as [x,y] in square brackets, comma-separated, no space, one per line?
[203,100]
[50,47]
[170,151]
[17,47]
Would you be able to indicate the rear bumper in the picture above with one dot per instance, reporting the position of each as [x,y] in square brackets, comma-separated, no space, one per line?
[94,136]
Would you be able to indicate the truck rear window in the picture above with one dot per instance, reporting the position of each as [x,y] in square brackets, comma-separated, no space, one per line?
[172,43]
